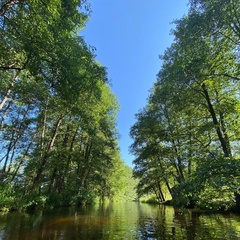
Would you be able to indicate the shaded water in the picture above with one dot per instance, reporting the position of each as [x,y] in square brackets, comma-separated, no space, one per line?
[119,221]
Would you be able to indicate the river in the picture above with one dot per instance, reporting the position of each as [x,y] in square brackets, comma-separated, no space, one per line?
[119,221]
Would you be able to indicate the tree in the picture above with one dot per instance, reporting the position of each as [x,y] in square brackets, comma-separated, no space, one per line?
[58,133]
[191,117]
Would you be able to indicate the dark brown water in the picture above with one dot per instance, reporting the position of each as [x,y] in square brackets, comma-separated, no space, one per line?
[119,221]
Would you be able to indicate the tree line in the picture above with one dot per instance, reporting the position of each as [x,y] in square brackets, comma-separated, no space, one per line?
[186,138]
[58,136]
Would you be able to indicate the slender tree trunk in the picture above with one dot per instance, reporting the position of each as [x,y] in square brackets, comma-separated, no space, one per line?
[190,152]
[178,166]
[58,173]
[224,130]
[165,179]
[19,134]
[2,176]
[216,123]
[157,194]
[69,159]
[52,181]
[12,155]
[17,70]
[22,161]
[50,146]
[8,91]
[168,187]
[160,192]
[223,127]
[86,168]
[5,114]
[43,132]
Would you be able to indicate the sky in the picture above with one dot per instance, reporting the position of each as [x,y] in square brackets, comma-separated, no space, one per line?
[129,36]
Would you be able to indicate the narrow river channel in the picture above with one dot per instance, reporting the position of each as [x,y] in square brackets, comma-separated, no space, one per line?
[120,221]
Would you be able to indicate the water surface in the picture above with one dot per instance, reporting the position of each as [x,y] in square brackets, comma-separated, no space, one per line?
[119,221]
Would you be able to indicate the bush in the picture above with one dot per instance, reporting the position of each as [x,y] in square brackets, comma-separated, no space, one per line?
[33,202]
[84,197]
[216,199]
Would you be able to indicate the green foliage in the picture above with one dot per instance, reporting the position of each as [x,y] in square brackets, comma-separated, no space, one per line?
[216,198]
[84,197]
[33,201]
[150,200]
[58,115]
[123,184]
[13,198]
[6,196]
[186,139]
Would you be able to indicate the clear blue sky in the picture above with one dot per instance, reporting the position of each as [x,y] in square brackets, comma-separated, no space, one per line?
[129,36]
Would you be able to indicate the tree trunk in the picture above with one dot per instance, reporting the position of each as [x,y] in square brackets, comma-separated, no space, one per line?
[8,91]
[160,192]
[168,187]
[69,159]
[2,175]
[50,146]
[22,161]
[224,144]
[5,114]
[43,131]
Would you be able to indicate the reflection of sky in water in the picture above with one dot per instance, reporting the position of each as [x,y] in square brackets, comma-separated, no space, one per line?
[120,221]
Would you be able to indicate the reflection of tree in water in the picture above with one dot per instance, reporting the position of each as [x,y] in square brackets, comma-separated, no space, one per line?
[123,221]
[120,221]
[192,225]
[225,225]
[152,225]
[167,223]
[73,226]
[65,225]
[185,224]
[177,224]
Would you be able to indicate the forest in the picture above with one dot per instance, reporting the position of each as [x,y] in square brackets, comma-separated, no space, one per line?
[186,138]
[58,132]
[58,135]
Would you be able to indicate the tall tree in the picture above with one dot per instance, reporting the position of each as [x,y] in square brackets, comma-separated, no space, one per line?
[192,115]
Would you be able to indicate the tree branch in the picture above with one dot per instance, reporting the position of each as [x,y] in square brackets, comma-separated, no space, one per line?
[10,68]
[8,5]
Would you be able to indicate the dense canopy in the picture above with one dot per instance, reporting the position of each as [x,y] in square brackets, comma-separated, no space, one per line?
[57,112]
[186,139]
